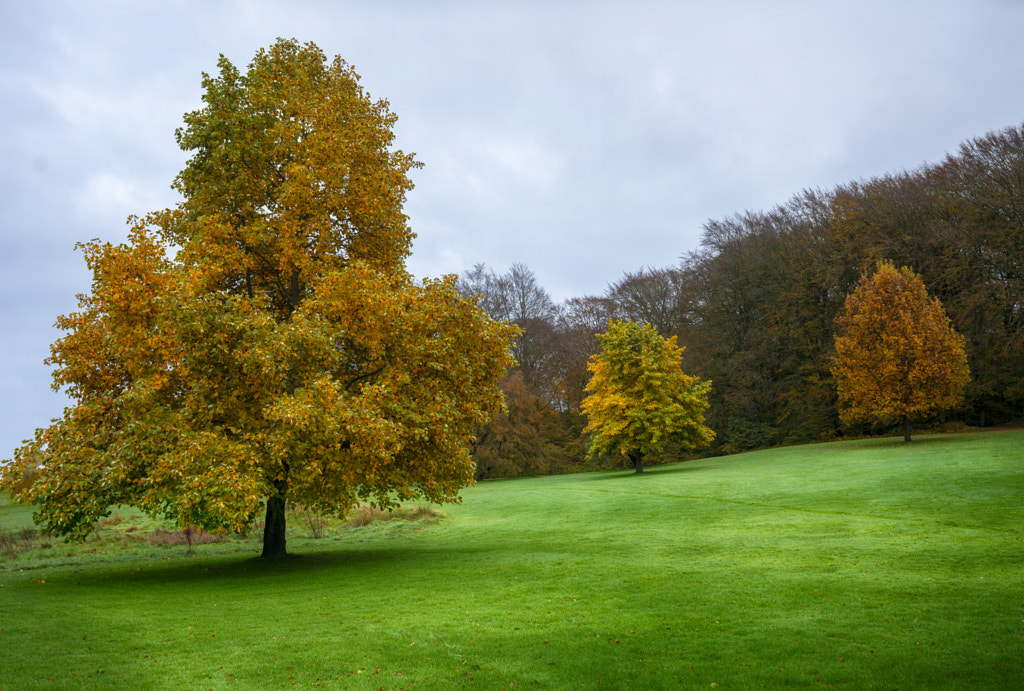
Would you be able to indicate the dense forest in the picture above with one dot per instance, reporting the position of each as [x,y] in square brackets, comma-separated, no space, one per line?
[755,305]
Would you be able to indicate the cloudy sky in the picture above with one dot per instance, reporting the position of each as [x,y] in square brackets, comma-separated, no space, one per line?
[584,139]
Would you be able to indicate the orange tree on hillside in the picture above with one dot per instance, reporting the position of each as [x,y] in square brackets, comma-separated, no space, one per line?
[262,342]
[897,356]
[640,399]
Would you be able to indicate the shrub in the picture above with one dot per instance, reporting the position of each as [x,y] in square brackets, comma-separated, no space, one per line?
[8,546]
[13,542]
[315,522]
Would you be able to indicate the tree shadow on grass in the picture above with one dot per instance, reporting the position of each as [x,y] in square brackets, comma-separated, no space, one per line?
[897,442]
[204,568]
[649,471]
[670,468]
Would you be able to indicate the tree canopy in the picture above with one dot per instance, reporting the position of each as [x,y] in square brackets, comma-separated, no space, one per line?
[262,342]
[640,399]
[897,356]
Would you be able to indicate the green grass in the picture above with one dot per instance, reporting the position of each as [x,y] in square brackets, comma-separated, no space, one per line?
[863,564]
[14,516]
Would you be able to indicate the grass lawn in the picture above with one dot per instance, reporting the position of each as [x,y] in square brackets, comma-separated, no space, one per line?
[864,564]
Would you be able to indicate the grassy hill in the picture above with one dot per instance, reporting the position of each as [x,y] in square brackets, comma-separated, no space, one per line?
[862,564]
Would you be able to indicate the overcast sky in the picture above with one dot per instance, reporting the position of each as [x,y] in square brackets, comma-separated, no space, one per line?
[584,139]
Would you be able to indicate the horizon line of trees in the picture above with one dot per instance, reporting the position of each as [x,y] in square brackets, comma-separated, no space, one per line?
[755,307]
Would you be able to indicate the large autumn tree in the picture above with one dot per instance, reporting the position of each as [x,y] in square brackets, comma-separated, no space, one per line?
[640,398]
[897,355]
[262,342]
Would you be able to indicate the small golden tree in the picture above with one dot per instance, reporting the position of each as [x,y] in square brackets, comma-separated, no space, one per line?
[897,356]
[640,399]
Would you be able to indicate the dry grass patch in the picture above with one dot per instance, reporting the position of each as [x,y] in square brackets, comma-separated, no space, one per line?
[365,514]
[189,536]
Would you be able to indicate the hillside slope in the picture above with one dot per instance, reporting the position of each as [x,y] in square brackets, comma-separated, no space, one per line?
[862,564]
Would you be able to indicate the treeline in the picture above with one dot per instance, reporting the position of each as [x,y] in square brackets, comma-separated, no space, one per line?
[755,306]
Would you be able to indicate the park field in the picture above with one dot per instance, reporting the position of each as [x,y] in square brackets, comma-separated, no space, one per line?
[866,564]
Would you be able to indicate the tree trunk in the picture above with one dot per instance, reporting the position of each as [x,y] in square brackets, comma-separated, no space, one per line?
[273,531]
[638,461]
[906,429]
